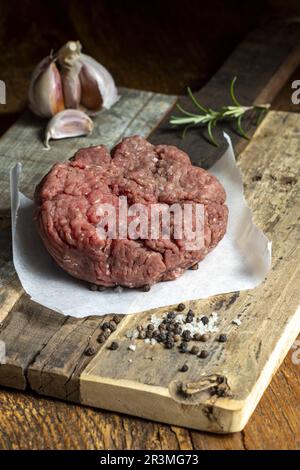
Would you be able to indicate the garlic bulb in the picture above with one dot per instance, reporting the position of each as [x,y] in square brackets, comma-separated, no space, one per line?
[68,123]
[87,84]
[45,90]
[77,82]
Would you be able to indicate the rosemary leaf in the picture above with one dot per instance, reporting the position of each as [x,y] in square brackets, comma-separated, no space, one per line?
[211,117]
[211,124]
[240,128]
[232,93]
[195,101]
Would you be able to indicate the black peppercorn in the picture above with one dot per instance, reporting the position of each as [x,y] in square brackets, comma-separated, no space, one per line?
[101,288]
[186,335]
[114,345]
[161,337]
[171,315]
[93,287]
[194,267]
[90,351]
[105,325]
[112,326]
[205,320]
[150,327]
[177,329]
[170,327]
[183,347]
[197,337]
[117,319]
[205,337]
[222,338]
[142,335]
[194,350]
[106,333]
[169,344]
[101,338]
[140,328]
[146,288]
[184,368]
[203,354]
[180,307]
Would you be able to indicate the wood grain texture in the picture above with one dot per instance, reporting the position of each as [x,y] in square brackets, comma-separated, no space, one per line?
[55,353]
[29,421]
[270,313]
[50,360]
[141,433]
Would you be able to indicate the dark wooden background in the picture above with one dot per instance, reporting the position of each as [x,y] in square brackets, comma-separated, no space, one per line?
[161,46]
[154,45]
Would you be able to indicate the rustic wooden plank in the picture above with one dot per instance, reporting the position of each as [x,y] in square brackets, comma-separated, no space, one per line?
[30,421]
[270,314]
[35,366]
[57,368]
[25,332]
[10,288]
[137,112]
[56,353]
[276,417]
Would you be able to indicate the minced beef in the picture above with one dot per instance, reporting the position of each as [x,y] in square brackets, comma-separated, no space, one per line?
[68,214]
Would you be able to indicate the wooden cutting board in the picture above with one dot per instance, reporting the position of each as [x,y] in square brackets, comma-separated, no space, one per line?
[45,351]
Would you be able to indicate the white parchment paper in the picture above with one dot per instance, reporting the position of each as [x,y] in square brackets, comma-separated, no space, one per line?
[240,261]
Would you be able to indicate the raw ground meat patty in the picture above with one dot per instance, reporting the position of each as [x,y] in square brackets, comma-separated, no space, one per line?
[68,198]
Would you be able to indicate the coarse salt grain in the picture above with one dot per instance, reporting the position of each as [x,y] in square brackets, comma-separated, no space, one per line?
[132,334]
[194,327]
[237,321]
[132,347]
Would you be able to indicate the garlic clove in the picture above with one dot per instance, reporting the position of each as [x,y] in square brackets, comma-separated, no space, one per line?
[91,98]
[98,88]
[95,75]
[68,123]
[45,90]
[72,86]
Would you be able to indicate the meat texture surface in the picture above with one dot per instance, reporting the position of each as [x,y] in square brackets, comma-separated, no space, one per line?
[69,200]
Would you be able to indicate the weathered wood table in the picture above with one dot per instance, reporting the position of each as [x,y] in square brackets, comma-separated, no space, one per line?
[274,423]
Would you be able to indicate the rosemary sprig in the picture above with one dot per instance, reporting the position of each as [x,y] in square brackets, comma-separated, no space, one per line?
[210,117]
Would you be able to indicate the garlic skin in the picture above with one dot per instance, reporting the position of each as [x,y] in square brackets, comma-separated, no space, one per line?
[46,90]
[72,86]
[87,84]
[68,123]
